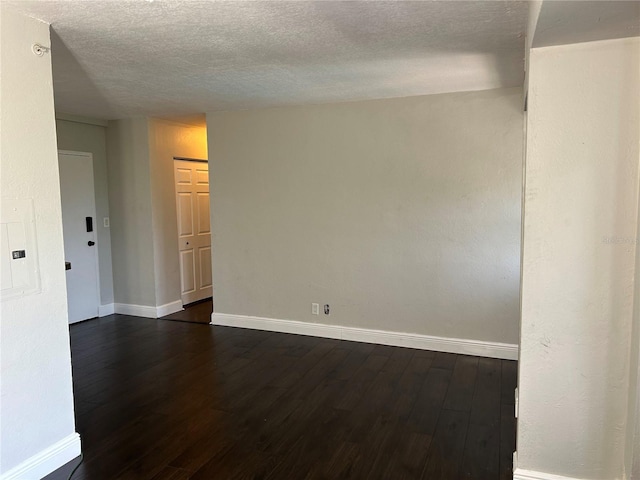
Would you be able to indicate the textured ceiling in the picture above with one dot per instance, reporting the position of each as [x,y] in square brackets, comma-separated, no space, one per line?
[562,22]
[114,59]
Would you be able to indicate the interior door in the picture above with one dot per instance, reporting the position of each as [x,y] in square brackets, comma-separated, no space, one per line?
[80,248]
[194,229]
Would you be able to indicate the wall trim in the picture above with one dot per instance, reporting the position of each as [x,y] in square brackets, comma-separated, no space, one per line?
[148,311]
[398,339]
[43,463]
[169,308]
[104,310]
[520,474]
[135,310]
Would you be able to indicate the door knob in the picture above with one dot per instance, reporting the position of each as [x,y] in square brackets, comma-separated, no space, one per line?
[90,243]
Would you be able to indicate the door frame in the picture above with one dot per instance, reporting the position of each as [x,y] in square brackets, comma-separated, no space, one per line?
[96,256]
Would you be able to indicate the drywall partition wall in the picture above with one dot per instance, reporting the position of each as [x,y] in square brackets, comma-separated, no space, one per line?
[167,140]
[37,432]
[632,451]
[130,208]
[84,137]
[580,224]
[140,155]
[403,215]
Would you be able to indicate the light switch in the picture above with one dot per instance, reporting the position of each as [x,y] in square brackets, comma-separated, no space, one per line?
[19,264]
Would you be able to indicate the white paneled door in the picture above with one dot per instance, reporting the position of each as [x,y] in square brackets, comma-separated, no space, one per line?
[194,229]
[79,231]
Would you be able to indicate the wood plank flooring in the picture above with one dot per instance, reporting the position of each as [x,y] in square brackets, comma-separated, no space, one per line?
[163,400]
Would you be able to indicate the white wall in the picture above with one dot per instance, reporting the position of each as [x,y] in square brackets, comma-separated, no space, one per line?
[36,392]
[580,222]
[85,137]
[130,209]
[402,214]
[167,140]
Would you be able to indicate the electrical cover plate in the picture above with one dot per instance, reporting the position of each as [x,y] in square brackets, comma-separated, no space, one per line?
[19,269]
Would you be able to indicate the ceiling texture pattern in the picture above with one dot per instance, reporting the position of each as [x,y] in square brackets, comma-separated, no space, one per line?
[115,59]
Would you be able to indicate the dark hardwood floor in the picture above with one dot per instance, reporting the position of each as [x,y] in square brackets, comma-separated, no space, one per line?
[169,400]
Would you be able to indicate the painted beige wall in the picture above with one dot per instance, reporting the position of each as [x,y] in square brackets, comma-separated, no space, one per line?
[35,362]
[632,451]
[132,244]
[167,140]
[83,137]
[403,214]
[581,203]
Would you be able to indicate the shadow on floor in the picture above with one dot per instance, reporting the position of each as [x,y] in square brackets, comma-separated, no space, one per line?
[197,312]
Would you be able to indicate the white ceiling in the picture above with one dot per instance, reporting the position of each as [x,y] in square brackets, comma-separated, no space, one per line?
[562,22]
[114,59]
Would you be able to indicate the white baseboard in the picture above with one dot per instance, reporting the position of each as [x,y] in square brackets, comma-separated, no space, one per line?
[148,311]
[104,310]
[398,339]
[135,310]
[169,308]
[43,463]
[520,474]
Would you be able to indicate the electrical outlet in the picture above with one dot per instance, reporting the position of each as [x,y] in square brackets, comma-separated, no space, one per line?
[315,309]
[326,309]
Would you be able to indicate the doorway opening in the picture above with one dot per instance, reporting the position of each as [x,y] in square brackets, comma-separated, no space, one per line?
[194,229]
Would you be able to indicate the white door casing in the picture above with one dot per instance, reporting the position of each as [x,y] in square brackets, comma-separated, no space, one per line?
[194,229]
[78,202]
